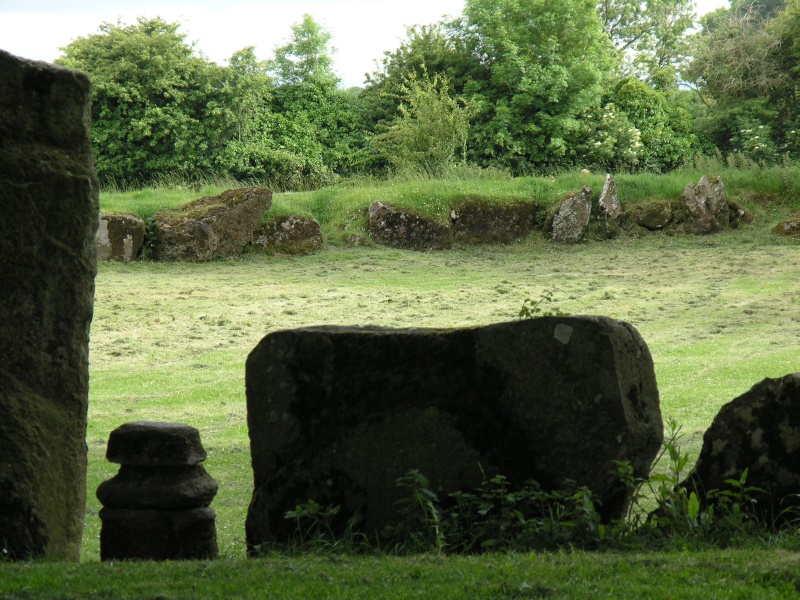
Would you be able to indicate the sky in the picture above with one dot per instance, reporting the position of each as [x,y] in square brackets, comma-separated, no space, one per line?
[362,29]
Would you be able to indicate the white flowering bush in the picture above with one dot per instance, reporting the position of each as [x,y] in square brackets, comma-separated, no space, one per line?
[608,139]
[755,141]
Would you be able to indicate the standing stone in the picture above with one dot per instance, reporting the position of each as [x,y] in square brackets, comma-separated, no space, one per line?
[758,431]
[48,220]
[156,507]
[398,228]
[119,237]
[338,414]
[210,227]
[610,207]
[572,219]
[706,204]
[789,228]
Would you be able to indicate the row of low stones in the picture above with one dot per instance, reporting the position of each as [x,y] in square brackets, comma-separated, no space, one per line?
[228,224]
[550,399]
[703,208]
[208,228]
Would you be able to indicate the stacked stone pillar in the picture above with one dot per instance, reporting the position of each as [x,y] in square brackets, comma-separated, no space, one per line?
[157,506]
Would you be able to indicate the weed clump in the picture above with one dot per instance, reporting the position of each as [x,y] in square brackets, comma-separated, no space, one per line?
[496,516]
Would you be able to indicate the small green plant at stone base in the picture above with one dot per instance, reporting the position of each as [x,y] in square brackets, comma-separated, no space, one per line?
[421,527]
[722,518]
[313,521]
[314,528]
[533,308]
[495,517]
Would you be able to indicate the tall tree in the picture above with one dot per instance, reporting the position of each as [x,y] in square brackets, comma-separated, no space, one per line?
[430,129]
[306,57]
[746,73]
[435,48]
[156,106]
[650,35]
[544,62]
[315,120]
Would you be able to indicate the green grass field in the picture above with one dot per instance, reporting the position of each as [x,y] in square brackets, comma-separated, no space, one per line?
[169,343]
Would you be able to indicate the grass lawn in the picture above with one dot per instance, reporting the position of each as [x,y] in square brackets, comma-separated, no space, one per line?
[169,343]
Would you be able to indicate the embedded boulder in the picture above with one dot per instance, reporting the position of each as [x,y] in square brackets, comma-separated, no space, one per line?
[738,215]
[571,220]
[789,228]
[48,218]
[399,228]
[338,414]
[119,237]
[653,216]
[289,234]
[706,205]
[758,431]
[210,227]
[477,221]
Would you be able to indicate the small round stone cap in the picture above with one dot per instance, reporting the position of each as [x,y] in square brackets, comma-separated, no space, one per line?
[147,443]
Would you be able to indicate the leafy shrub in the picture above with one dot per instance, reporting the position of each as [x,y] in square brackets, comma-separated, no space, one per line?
[497,516]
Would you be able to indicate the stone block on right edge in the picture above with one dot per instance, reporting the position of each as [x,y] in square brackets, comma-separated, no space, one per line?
[758,431]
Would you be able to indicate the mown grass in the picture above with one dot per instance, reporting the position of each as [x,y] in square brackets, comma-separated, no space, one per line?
[744,574]
[169,342]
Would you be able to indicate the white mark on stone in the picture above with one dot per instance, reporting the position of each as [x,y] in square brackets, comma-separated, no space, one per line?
[563,333]
[756,438]
[127,248]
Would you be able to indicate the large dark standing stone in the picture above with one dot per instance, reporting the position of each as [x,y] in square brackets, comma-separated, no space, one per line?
[398,228]
[758,431]
[477,221]
[337,415]
[48,219]
[571,221]
[210,227]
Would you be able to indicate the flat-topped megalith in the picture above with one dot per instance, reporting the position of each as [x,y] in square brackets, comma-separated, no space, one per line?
[338,414]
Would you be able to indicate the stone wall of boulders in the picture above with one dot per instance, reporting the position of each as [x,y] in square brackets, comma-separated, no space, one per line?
[231,223]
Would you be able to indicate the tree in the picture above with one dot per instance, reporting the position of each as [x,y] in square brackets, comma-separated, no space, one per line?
[250,88]
[430,130]
[317,121]
[427,49]
[544,63]
[745,71]
[156,107]
[650,35]
[306,57]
